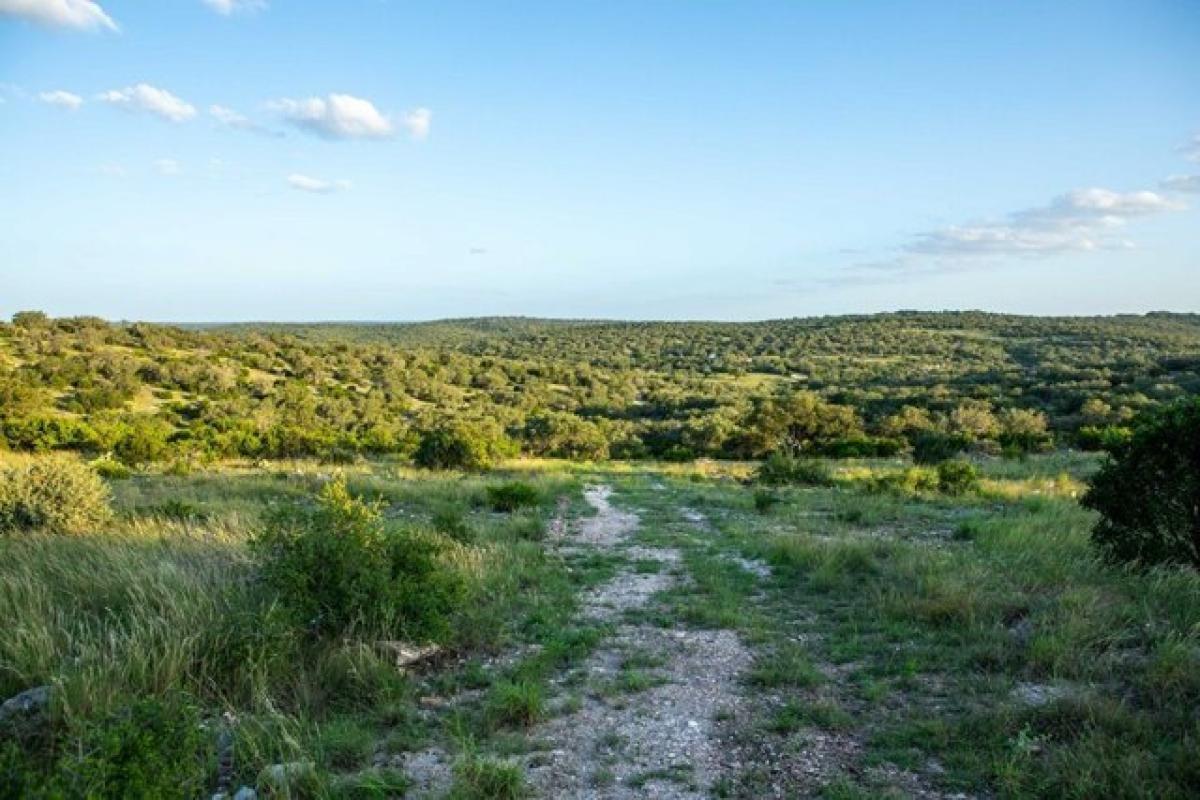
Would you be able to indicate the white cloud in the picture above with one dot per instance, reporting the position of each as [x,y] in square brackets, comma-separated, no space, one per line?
[111,170]
[168,167]
[1082,220]
[315,185]
[78,14]
[338,116]
[144,97]
[1182,183]
[417,122]
[227,7]
[61,99]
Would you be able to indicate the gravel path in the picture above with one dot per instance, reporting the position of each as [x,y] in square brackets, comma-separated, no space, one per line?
[646,725]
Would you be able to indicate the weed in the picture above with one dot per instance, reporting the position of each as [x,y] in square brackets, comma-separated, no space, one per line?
[514,704]
[479,778]
[786,665]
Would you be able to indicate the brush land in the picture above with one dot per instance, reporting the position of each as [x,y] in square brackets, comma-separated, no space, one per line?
[507,558]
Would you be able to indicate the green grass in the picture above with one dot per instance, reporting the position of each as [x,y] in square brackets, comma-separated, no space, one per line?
[481,778]
[948,604]
[515,704]
[164,601]
[788,665]
[909,621]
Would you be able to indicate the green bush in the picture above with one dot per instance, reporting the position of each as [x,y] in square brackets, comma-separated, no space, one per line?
[143,439]
[957,477]
[785,467]
[765,500]
[1148,493]
[913,480]
[456,446]
[179,510]
[153,748]
[56,494]
[339,568]
[110,469]
[1108,437]
[508,497]
[933,447]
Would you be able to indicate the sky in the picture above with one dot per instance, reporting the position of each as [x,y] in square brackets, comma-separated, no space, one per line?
[219,160]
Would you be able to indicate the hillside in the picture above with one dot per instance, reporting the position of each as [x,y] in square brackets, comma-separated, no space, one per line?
[585,388]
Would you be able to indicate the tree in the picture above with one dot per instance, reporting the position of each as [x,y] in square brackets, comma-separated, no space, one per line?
[1148,493]
[1096,412]
[1023,430]
[458,445]
[31,320]
[555,433]
[975,420]
[800,421]
[144,440]
[908,422]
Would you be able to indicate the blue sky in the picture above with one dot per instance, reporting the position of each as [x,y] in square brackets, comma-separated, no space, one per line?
[367,159]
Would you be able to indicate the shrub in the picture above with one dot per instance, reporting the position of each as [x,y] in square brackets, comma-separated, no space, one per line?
[912,480]
[509,497]
[1109,437]
[957,477]
[110,469]
[932,447]
[338,567]
[56,494]
[153,748]
[143,440]
[1023,430]
[456,446]
[784,467]
[765,500]
[1148,493]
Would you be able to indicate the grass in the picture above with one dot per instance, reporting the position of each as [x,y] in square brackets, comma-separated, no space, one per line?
[480,778]
[515,704]
[929,606]
[787,665]
[909,620]
[163,601]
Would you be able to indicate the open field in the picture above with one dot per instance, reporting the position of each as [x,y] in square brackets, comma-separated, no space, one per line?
[638,630]
[680,400]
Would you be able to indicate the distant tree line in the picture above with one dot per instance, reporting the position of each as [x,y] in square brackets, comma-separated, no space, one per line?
[462,393]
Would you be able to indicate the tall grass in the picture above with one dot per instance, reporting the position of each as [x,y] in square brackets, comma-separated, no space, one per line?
[167,601]
[110,616]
